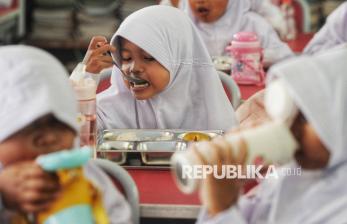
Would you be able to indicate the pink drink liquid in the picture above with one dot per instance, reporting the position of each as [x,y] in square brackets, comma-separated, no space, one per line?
[88,125]
[88,131]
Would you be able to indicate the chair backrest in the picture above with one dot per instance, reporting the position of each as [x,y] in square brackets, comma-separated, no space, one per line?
[302,16]
[122,177]
[105,80]
[231,88]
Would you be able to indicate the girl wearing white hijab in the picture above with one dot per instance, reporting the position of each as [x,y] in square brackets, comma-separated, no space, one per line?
[182,90]
[318,86]
[264,8]
[333,33]
[218,21]
[38,115]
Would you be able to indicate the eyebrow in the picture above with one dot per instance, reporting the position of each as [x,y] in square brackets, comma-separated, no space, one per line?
[141,51]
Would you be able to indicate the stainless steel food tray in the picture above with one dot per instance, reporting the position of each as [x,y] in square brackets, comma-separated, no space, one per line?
[144,146]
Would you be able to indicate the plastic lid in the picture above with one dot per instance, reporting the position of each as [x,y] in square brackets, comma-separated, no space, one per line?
[245,40]
[66,159]
[85,89]
[179,160]
[245,37]
[278,102]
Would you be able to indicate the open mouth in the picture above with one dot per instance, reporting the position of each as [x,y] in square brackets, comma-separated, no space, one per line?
[139,84]
[136,83]
[203,11]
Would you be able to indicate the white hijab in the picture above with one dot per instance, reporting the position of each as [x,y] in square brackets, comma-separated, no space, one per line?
[194,97]
[238,17]
[32,84]
[333,33]
[318,85]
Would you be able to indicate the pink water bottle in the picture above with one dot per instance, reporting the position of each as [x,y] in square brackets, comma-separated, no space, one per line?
[247,53]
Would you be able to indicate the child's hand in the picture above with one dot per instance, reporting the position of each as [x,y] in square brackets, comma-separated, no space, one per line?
[97,57]
[252,111]
[27,188]
[220,194]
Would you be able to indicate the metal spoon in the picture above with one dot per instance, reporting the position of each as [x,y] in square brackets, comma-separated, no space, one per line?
[131,77]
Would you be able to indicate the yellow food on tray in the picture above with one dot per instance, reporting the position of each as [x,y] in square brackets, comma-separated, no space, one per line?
[196,137]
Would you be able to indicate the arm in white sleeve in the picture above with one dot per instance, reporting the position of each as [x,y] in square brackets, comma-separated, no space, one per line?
[253,207]
[274,49]
[116,206]
[100,116]
[264,7]
[245,211]
[271,13]
[241,213]
[80,73]
[333,33]
[231,215]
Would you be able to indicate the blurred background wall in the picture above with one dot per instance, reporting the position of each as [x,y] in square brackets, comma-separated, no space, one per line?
[65,27]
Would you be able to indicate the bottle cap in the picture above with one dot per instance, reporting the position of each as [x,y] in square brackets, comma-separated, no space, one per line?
[245,39]
[179,162]
[66,159]
[85,89]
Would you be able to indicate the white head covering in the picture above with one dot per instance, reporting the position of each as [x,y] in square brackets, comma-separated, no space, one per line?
[194,97]
[237,18]
[32,84]
[318,86]
[333,33]
[217,35]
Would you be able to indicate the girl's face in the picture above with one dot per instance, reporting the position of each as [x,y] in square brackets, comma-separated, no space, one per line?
[26,147]
[208,11]
[143,65]
[312,153]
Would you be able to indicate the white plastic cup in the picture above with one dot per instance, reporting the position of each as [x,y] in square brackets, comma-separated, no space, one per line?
[85,89]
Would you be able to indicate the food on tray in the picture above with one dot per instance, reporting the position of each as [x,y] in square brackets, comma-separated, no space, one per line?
[132,136]
[127,136]
[222,63]
[195,137]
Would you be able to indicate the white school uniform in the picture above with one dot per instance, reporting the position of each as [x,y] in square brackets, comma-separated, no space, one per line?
[271,13]
[237,18]
[194,97]
[333,33]
[264,8]
[318,86]
[32,84]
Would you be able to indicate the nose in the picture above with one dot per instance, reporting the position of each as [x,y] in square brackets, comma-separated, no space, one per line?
[137,68]
[200,1]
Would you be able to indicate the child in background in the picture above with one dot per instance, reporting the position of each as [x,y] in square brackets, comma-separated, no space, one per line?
[272,14]
[218,20]
[333,33]
[180,88]
[317,85]
[38,116]
[264,8]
